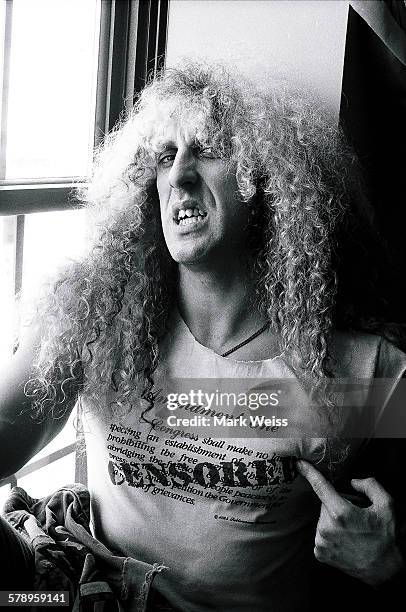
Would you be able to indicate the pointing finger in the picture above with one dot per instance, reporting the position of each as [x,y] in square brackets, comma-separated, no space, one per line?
[322,487]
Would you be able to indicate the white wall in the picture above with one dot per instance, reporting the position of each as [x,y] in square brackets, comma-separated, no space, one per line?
[301,39]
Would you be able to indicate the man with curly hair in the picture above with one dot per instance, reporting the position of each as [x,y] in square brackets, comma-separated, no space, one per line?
[222,218]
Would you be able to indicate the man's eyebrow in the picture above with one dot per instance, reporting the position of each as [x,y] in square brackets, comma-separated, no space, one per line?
[166,144]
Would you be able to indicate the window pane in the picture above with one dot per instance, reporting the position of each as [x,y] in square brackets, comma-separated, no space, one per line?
[51,102]
[50,239]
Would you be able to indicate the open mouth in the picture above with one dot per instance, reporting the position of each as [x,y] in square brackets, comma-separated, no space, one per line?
[189,216]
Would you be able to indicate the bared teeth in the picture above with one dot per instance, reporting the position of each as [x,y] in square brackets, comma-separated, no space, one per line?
[190,212]
[191,220]
[187,214]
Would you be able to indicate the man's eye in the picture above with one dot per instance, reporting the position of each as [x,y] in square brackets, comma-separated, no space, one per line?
[207,152]
[166,159]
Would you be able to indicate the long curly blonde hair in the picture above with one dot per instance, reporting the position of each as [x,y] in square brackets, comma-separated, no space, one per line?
[105,315]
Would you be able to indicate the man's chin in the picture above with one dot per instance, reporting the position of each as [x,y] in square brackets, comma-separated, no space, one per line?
[189,257]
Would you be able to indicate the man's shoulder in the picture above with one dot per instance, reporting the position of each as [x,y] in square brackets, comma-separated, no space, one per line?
[365,355]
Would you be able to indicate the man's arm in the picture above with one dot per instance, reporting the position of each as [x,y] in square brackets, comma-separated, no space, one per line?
[20,436]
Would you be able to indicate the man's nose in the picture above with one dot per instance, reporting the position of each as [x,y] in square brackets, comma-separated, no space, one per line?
[183,171]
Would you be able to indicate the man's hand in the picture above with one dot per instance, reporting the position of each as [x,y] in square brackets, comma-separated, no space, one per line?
[359,541]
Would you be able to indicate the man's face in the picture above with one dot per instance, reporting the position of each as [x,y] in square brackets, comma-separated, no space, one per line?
[202,214]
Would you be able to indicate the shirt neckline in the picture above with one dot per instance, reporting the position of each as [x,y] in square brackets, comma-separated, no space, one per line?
[181,322]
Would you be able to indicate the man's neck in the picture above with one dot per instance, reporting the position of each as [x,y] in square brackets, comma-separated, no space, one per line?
[217,304]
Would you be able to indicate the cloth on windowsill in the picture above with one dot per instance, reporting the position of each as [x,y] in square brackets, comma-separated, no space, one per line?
[69,558]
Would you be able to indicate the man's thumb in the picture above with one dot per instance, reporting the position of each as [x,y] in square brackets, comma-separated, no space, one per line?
[371,489]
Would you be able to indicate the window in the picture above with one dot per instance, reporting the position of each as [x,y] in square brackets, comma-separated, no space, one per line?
[68,69]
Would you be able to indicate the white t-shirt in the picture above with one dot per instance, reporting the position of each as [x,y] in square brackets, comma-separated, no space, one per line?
[229,516]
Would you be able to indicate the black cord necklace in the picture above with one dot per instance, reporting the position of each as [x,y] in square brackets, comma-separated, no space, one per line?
[244,342]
